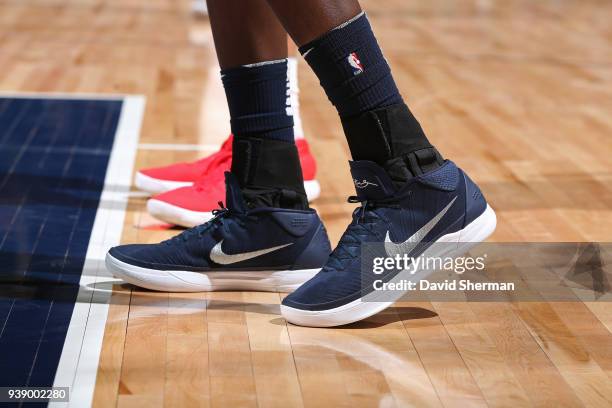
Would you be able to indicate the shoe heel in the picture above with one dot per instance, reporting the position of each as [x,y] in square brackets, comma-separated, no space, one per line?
[316,253]
[480,228]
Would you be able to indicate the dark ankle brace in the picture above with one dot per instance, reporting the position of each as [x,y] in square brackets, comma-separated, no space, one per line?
[392,137]
[269,172]
[403,168]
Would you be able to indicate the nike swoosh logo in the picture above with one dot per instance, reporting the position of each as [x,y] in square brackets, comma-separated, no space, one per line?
[407,246]
[218,256]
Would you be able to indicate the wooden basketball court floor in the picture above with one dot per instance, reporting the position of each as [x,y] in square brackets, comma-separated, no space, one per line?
[518,93]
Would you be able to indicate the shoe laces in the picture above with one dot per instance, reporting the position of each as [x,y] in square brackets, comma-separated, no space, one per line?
[361,228]
[220,219]
[225,149]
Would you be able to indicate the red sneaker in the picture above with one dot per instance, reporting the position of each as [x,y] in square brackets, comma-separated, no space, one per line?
[157,180]
[192,205]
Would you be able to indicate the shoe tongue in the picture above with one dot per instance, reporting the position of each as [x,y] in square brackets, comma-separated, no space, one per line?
[234,200]
[371,181]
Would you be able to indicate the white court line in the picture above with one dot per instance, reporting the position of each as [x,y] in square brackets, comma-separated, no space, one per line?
[78,365]
[182,147]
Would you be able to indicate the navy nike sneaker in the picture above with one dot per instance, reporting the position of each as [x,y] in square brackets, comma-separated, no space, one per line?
[241,248]
[442,205]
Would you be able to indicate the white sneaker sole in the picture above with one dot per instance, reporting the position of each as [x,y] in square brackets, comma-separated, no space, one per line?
[477,231]
[313,189]
[175,215]
[189,281]
[156,186]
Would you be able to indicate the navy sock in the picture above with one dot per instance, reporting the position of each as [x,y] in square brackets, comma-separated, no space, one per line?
[258,100]
[352,68]
[265,158]
[358,81]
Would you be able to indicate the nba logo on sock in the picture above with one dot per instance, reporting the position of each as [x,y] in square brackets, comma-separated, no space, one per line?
[354,62]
